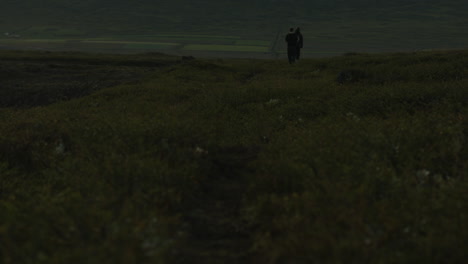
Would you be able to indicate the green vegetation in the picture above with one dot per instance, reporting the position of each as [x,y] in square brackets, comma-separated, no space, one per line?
[253,42]
[149,45]
[152,159]
[138,44]
[226,48]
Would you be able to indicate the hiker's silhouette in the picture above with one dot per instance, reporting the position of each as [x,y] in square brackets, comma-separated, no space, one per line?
[291,39]
[300,43]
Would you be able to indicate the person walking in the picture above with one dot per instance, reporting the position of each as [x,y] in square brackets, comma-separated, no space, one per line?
[300,43]
[291,39]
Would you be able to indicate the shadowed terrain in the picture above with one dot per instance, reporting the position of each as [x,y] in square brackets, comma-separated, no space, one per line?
[149,158]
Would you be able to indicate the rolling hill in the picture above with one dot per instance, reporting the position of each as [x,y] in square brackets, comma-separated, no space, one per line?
[330,27]
[154,159]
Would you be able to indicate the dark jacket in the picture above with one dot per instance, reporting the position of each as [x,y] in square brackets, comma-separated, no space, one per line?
[291,39]
[300,40]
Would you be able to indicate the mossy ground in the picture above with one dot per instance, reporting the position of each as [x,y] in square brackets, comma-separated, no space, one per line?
[354,159]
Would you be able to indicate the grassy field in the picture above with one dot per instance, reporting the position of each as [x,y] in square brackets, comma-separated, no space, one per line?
[154,159]
[238,48]
[176,44]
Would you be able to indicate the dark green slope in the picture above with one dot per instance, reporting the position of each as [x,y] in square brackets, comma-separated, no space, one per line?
[330,27]
[166,15]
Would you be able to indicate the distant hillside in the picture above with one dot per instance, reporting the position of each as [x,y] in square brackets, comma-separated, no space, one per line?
[329,26]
